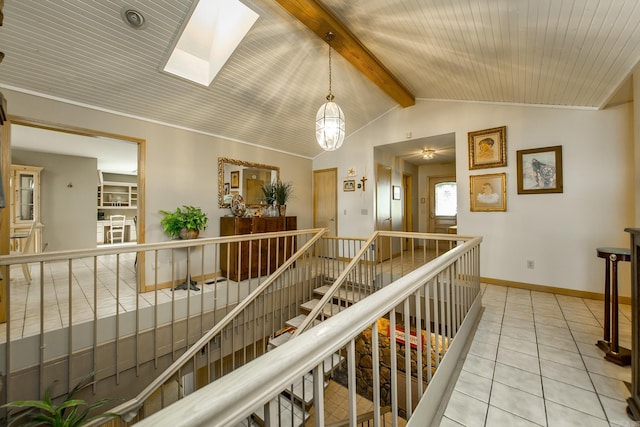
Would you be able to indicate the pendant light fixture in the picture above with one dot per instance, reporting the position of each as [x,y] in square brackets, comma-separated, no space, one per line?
[330,118]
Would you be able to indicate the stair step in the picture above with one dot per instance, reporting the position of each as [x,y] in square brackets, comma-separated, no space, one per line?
[298,389]
[279,340]
[346,295]
[247,422]
[330,364]
[328,310]
[300,416]
[297,321]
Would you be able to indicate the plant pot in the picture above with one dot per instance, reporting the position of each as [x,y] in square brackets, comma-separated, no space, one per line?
[189,234]
[282,209]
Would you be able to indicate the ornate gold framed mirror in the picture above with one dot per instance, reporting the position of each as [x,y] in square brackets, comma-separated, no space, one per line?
[244,178]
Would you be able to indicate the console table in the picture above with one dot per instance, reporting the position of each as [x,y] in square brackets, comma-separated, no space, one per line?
[235,263]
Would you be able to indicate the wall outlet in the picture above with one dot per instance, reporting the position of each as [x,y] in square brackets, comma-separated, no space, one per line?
[530,264]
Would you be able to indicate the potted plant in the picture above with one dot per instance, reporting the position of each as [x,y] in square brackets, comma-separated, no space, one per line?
[278,192]
[71,412]
[185,222]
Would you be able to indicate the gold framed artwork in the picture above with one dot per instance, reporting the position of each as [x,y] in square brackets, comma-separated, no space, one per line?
[540,170]
[235,179]
[488,192]
[349,185]
[488,148]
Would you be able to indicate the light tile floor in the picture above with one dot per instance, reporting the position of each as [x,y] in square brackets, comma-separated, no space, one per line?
[534,362]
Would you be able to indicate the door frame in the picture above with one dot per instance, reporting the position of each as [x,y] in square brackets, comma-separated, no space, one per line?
[384,250]
[433,180]
[142,150]
[315,196]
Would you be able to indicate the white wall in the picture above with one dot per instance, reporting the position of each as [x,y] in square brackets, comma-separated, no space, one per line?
[67,213]
[559,232]
[181,166]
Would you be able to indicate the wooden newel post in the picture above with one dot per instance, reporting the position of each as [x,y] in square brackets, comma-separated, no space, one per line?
[610,344]
[633,402]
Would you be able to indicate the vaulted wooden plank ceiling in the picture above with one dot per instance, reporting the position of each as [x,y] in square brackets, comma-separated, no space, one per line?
[569,53]
[322,22]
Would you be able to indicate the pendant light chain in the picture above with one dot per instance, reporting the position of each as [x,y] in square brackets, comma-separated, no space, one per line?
[330,128]
[329,38]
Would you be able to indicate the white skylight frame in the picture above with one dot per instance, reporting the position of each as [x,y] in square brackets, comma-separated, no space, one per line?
[211,35]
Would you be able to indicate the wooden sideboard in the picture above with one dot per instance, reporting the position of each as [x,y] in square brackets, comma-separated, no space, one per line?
[266,254]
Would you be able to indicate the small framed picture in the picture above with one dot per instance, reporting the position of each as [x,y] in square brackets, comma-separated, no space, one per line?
[349,185]
[235,179]
[488,148]
[540,170]
[396,192]
[488,192]
[226,188]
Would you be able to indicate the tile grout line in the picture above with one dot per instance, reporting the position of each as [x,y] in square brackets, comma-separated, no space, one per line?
[606,416]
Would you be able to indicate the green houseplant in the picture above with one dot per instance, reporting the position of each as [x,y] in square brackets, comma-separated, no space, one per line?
[278,192]
[70,413]
[185,222]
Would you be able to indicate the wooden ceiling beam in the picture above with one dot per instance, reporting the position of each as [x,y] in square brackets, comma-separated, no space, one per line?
[321,21]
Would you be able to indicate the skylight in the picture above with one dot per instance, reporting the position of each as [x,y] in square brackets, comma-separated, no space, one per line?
[213,32]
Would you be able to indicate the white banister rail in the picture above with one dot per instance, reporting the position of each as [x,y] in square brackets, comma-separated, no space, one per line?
[446,289]
[363,255]
[115,335]
[129,409]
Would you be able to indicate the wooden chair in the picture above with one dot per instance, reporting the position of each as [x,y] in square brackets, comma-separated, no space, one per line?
[116,228]
[26,247]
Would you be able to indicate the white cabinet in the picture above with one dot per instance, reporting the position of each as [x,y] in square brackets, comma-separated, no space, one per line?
[117,195]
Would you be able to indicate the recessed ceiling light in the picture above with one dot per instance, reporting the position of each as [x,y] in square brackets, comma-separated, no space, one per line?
[214,30]
[133,18]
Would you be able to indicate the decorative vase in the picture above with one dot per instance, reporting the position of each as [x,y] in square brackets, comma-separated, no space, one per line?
[283,210]
[238,208]
[189,234]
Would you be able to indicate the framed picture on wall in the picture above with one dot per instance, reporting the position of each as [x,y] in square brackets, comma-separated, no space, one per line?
[396,192]
[488,192]
[235,179]
[540,170]
[226,188]
[349,185]
[488,148]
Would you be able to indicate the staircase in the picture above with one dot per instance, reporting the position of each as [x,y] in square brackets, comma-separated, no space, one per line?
[293,404]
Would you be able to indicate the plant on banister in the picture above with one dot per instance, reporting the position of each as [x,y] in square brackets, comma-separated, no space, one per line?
[185,222]
[278,192]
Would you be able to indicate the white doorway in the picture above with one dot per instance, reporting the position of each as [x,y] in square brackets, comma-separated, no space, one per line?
[443,208]
[383,210]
